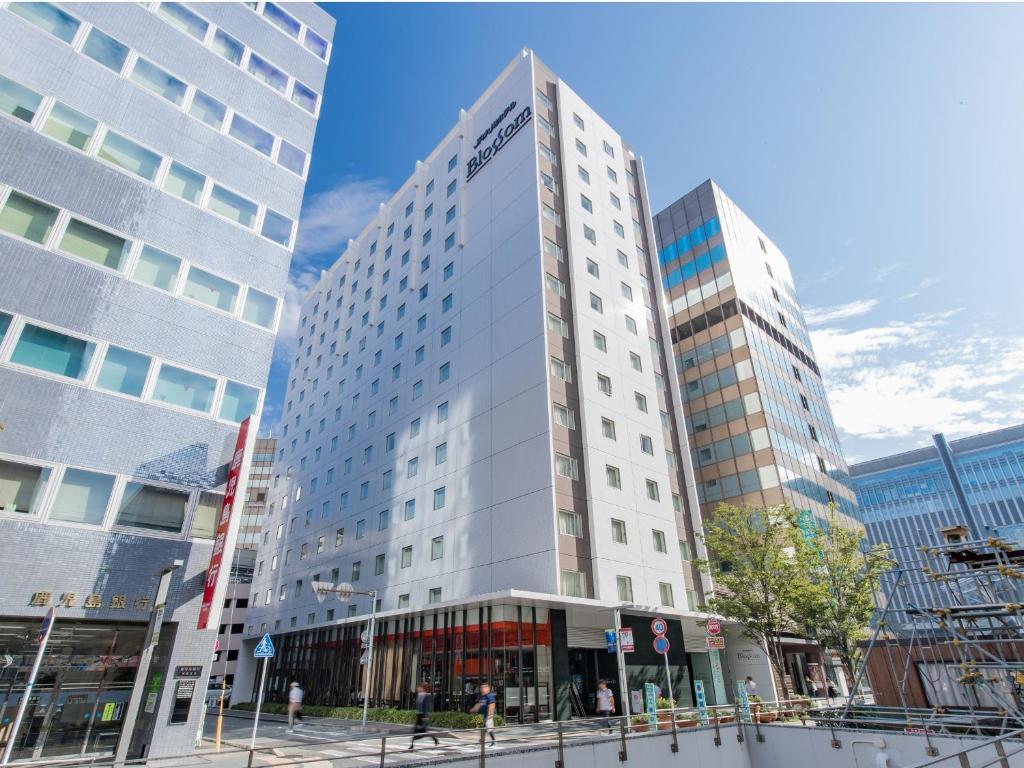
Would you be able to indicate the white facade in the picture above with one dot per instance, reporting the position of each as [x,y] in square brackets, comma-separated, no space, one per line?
[385,343]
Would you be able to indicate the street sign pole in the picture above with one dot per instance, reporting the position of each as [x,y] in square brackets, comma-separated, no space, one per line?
[44,638]
[620,658]
[259,703]
[668,676]
[369,655]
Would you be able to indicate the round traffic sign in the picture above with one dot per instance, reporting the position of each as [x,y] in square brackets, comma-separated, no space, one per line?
[661,644]
[659,626]
[714,627]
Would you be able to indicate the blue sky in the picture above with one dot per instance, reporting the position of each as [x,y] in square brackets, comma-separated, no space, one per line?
[879,146]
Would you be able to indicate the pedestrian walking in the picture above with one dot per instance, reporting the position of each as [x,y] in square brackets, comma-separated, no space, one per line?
[605,703]
[812,684]
[751,686]
[486,705]
[424,706]
[295,694]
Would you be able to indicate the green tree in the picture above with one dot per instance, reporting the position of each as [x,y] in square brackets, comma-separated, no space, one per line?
[843,576]
[755,557]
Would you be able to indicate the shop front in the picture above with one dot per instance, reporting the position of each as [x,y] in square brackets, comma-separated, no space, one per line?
[78,703]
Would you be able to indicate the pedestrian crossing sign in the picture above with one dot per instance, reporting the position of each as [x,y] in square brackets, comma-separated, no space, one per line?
[264,649]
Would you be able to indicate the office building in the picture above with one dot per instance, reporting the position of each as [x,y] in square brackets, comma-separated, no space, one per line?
[236,599]
[152,166]
[974,482]
[479,428]
[759,424]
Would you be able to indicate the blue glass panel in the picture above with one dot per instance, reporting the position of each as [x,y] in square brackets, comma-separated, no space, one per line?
[717,254]
[712,227]
[667,253]
[683,244]
[703,262]
[697,236]
[689,270]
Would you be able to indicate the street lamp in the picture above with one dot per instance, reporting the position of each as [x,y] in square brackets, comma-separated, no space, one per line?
[344,591]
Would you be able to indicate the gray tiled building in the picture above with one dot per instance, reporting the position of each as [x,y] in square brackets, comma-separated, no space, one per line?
[152,164]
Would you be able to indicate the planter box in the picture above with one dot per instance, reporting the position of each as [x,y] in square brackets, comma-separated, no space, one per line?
[726,719]
[688,723]
[766,717]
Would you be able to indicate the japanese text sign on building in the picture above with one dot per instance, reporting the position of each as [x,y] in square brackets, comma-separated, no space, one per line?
[221,534]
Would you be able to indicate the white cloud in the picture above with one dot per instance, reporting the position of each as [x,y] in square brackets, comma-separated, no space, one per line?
[903,381]
[826,315]
[331,217]
[887,269]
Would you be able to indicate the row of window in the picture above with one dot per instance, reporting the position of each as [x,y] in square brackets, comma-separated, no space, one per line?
[712,317]
[81,132]
[716,415]
[62,232]
[703,292]
[574,584]
[724,377]
[727,487]
[103,366]
[125,62]
[779,338]
[689,241]
[691,269]
[71,495]
[709,350]
[292,27]
[731,447]
[433,596]
[220,42]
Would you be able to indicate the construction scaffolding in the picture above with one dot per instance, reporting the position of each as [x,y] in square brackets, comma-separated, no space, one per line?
[947,650]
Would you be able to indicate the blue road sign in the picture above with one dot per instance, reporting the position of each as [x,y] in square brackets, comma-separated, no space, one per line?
[264,649]
[661,644]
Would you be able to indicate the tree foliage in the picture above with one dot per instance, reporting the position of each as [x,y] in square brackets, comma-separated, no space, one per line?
[772,578]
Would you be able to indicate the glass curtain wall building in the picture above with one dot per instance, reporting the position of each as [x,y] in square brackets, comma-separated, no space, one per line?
[976,482]
[479,426]
[152,171]
[757,415]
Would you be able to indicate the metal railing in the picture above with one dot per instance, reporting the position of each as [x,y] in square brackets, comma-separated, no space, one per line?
[1004,747]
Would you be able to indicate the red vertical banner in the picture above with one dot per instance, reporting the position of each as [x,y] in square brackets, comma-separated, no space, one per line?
[220,536]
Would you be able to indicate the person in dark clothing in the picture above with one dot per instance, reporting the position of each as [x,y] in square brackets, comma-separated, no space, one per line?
[424,706]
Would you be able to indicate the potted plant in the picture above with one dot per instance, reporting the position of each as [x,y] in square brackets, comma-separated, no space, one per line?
[766,715]
[664,707]
[639,724]
[755,703]
[686,720]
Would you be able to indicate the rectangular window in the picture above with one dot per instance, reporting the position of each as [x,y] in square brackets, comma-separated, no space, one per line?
[410,509]
[596,304]
[24,217]
[557,325]
[635,362]
[618,531]
[581,147]
[157,269]
[123,371]
[586,203]
[70,127]
[277,228]
[153,508]
[267,73]
[315,44]
[608,428]
[658,538]
[604,384]
[614,476]
[437,548]
[162,83]
[641,402]
[406,560]
[48,18]
[565,466]
[624,586]
[181,18]
[553,284]
[184,183]
[590,234]
[210,290]
[21,487]
[292,158]
[378,565]
[232,207]
[564,416]
[82,497]
[304,97]
[93,244]
[260,308]
[647,444]
[600,342]
[665,593]
[574,584]
[434,595]
[53,352]
[227,47]
[208,110]
[441,453]
[357,568]
[126,154]
[282,20]
[184,388]
[239,402]
[593,269]
[251,135]
[570,523]
[584,175]
[439,498]
[18,101]
[560,369]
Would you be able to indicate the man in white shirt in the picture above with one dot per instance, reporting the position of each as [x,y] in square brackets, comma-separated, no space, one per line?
[605,703]
[751,686]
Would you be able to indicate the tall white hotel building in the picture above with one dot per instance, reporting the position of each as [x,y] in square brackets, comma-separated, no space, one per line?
[480,424]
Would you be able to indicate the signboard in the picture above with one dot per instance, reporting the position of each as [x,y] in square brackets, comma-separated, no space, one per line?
[661,644]
[609,640]
[743,700]
[659,626]
[183,692]
[626,640]
[714,627]
[221,535]
[188,670]
[636,701]
[264,648]
[702,701]
[154,692]
[108,711]
[805,521]
[496,136]
[651,704]
[715,643]
[717,676]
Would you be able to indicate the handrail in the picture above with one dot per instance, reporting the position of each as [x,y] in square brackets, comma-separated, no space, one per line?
[1018,734]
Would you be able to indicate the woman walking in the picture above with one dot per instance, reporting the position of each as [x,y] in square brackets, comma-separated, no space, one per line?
[424,706]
